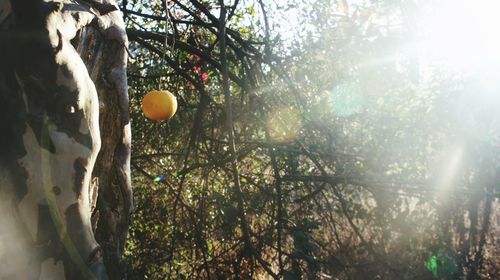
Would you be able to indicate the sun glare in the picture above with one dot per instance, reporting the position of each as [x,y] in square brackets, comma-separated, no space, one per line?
[448,167]
[461,35]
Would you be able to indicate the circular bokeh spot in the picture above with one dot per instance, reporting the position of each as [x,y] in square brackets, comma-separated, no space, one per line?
[346,99]
[284,124]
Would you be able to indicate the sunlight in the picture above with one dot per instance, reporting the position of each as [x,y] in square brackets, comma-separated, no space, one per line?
[448,167]
[461,35]
[284,124]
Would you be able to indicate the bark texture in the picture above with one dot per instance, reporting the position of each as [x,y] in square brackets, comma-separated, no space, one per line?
[103,49]
[97,32]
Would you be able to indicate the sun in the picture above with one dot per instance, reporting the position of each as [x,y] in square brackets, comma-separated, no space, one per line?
[461,35]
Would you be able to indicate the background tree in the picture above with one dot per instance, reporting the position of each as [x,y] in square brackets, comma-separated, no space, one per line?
[318,146]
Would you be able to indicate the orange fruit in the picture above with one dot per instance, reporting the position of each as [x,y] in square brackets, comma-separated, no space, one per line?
[159,105]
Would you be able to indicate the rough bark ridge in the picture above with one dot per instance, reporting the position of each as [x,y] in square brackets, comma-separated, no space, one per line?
[97,32]
[105,56]
[102,46]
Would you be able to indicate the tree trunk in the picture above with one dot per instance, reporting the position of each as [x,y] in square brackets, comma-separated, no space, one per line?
[97,32]
[105,56]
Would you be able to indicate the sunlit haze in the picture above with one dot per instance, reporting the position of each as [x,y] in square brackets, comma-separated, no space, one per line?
[462,35]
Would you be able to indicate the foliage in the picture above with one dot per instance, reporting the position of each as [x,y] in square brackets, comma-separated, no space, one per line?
[341,147]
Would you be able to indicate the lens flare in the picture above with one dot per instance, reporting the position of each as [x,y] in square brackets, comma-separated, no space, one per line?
[442,266]
[347,99]
[284,124]
[447,167]
[158,178]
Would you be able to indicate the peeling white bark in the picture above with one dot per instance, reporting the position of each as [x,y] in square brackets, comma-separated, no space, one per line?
[101,45]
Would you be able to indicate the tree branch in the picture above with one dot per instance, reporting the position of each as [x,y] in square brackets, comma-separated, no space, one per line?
[232,147]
